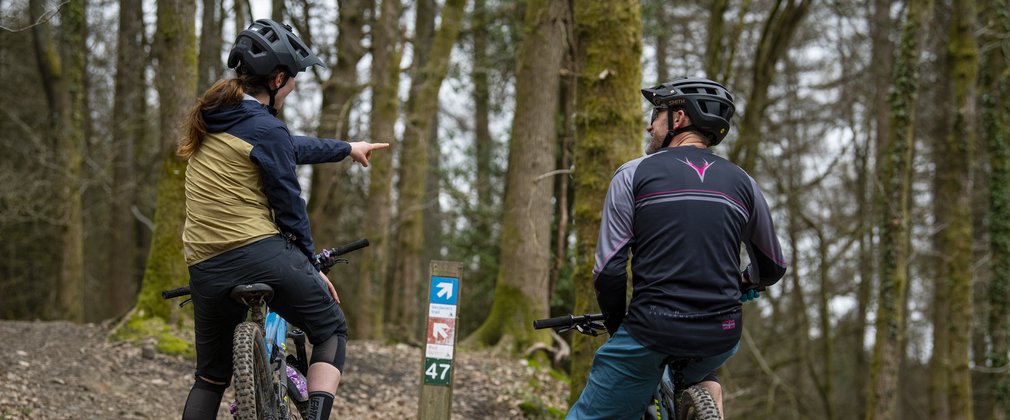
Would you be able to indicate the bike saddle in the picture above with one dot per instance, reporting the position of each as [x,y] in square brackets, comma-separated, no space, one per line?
[251,292]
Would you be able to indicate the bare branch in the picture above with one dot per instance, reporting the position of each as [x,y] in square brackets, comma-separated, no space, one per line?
[48,15]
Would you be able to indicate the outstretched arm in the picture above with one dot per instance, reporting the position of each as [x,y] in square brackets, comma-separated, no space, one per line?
[312,150]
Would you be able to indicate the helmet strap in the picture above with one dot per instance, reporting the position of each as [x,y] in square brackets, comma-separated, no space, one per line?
[270,106]
[671,133]
[273,94]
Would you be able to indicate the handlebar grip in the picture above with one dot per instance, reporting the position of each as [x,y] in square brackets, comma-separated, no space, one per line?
[351,247]
[561,321]
[174,293]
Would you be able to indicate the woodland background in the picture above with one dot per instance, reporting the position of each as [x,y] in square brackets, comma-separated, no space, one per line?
[879,131]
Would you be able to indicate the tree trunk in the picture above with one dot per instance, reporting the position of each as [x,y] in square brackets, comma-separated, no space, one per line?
[405,323]
[128,120]
[70,148]
[662,40]
[939,362]
[329,182]
[277,11]
[175,47]
[609,124]
[242,13]
[332,188]
[432,189]
[385,78]
[210,44]
[775,40]
[563,210]
[483,143]
[893,200]
[869,160]
[521,289]
[714,50]
[62,69]
[995,128]
[954,176]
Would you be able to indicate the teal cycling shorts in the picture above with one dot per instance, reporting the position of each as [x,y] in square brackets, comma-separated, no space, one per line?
[625,374]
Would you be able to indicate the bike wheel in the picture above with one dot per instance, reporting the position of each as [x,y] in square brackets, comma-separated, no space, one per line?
[696,403]
[254,392]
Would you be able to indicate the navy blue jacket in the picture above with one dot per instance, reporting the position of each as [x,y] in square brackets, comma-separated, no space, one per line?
[241,184]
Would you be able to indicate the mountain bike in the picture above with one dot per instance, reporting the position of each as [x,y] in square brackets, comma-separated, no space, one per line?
[268,381]
[670,400]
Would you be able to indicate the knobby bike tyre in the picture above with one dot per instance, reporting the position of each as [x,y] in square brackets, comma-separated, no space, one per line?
[254,392]
[696,403]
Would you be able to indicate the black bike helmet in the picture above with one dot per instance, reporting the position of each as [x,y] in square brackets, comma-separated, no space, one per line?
[707,103]
[267,45]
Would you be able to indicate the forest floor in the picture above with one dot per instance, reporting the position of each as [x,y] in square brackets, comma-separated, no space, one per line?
[59,370]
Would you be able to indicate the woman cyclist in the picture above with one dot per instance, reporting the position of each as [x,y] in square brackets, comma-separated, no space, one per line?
[246,221]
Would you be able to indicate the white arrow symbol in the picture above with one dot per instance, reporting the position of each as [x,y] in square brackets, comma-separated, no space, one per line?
[444,288]
[440,330]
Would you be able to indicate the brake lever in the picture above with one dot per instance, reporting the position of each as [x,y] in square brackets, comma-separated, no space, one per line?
[592,328]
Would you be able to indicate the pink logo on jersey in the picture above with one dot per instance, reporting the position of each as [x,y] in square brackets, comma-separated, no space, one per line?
[728,324]
[699,170]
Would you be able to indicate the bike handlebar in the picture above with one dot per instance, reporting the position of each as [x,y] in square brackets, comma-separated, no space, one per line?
[174,293]
[351,247]
[566,321]
[327,258]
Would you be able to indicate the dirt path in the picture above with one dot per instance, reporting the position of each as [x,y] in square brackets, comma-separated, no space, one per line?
[58,370]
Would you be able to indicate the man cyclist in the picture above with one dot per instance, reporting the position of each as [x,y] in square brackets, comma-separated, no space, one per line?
[245,219]
[682,212]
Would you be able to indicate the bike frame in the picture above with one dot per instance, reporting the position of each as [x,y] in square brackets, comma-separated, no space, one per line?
[275,335]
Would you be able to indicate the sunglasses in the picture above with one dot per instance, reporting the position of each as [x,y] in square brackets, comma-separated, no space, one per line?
[656,112]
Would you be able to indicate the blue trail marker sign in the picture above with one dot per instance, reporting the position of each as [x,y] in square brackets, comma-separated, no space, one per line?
[440,340]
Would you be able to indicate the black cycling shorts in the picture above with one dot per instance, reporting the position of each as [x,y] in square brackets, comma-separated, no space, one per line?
[300,296]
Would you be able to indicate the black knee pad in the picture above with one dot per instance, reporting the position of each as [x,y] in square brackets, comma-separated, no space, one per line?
[203,400]
[331,351]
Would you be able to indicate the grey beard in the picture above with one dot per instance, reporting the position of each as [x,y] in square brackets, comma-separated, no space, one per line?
[653,146]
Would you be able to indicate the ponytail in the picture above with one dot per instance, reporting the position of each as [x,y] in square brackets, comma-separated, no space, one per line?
[224,93]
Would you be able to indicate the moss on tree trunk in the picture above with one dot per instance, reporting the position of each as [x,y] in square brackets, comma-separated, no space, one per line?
[609,130]
[175,45]
[994,78]
[893,199]
[954,177]
[70,147]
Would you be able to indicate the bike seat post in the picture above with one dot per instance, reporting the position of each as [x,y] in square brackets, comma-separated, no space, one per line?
[256,309]
[255,296]
[677,365]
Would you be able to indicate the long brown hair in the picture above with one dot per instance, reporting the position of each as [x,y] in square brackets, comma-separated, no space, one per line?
[222,94]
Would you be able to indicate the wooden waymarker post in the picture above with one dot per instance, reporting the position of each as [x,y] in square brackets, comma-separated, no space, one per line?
[437,369]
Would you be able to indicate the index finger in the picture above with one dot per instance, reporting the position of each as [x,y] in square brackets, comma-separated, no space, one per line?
[377,146]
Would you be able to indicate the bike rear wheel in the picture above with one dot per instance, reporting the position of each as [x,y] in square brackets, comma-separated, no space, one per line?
[254,392]
[696,403]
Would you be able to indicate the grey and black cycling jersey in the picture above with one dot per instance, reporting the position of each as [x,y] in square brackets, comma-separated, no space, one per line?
[682,214]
